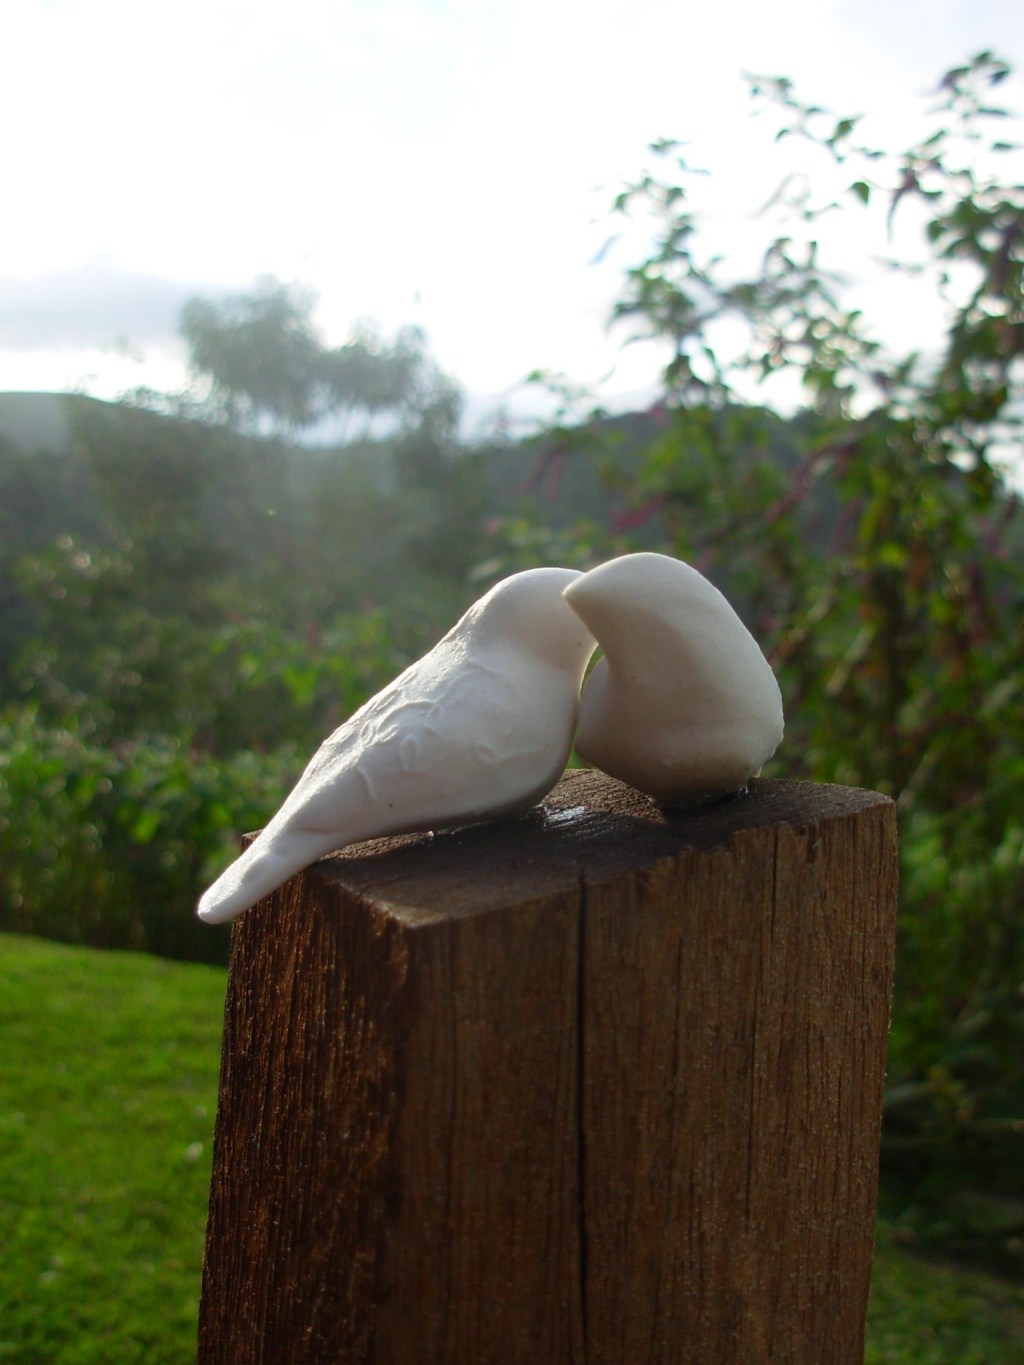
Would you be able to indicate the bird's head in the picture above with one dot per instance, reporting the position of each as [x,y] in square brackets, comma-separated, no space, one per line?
[630,602]
[529,611]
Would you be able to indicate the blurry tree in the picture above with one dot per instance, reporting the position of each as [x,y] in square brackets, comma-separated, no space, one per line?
[259,353]
[265,362]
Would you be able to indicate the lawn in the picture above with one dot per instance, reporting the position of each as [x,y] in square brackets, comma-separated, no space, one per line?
[108,1089]
[108,1078]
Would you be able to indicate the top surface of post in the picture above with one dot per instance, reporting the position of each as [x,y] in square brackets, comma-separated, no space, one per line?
[590,826]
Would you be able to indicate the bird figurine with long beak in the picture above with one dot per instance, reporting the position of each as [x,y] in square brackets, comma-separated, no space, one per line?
[683,705]
[480,727]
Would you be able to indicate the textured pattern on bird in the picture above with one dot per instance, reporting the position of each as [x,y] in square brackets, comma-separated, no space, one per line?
[479,727]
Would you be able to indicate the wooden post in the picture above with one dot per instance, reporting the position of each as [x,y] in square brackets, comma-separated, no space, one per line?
[601,1085]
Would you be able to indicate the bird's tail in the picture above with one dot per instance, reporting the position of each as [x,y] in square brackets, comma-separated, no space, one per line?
[264,866]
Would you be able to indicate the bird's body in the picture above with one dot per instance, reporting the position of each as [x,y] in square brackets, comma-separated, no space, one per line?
[683,705]
[480,727]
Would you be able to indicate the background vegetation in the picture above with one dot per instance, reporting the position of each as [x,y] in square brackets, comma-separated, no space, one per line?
[191,600]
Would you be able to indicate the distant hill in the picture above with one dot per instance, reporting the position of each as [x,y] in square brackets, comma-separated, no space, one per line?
[583,472]
[38,421]
[98,472]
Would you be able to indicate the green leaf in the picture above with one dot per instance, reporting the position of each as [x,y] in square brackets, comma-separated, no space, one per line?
[146,825]
[862,190]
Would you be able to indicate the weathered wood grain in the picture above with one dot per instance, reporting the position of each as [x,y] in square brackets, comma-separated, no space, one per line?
[598,1085]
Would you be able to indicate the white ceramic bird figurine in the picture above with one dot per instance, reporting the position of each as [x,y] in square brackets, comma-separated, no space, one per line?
[683,705]
[479,727]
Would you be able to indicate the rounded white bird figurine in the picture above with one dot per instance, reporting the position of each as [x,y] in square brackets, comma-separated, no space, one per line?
[683,705]
[479,727]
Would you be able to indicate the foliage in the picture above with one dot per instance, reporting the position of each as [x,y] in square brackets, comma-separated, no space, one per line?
[108,845]
[925,1313]
[210,608]
[879,561]
[106,660]
[149,745]
[163,536]
[103,1237]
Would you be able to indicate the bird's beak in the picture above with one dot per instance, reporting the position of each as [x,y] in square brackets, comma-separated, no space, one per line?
[584,599]
[601,603]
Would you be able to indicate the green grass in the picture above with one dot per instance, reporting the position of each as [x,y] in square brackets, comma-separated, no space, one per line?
[108,1087]
[926,1313]
[108,1076]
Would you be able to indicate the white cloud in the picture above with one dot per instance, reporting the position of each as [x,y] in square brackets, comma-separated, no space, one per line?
[92,306]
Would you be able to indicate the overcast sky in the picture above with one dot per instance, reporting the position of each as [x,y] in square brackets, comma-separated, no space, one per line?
[442,162]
